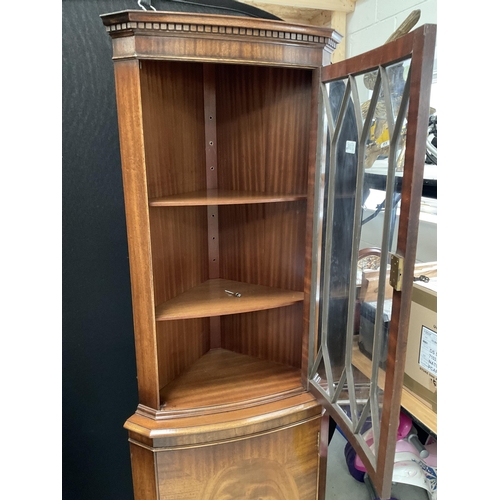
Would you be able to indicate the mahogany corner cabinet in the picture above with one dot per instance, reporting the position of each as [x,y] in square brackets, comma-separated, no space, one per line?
[242,193]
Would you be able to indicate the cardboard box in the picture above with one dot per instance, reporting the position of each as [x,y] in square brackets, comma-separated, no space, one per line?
[421,354]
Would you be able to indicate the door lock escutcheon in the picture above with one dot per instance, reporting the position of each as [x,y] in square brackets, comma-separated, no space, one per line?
[396,273]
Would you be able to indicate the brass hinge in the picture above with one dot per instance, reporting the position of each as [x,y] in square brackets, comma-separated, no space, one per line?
[396,274]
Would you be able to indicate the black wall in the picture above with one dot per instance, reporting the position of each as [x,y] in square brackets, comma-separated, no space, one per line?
[99,381]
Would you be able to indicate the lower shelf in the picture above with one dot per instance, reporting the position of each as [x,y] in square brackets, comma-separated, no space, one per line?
[222,380]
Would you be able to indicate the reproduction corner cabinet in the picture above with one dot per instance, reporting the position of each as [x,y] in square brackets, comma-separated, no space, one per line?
[228,150]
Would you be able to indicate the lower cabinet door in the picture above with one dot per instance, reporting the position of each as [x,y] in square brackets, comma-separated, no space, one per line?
[276,464]
[279,465]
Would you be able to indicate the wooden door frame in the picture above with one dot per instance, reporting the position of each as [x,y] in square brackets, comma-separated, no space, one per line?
[419,45]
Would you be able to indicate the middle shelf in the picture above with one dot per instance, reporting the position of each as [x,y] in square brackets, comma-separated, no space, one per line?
[210,298]
[222,197]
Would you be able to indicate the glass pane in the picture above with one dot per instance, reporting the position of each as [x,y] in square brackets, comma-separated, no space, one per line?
[365,148]
[332,340]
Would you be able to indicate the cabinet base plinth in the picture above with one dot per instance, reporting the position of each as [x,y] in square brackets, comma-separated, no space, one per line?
[265,452]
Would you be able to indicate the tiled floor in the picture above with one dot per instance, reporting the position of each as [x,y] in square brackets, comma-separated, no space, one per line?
[342,486]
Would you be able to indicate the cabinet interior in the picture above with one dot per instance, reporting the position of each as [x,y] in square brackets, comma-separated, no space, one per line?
[227,151]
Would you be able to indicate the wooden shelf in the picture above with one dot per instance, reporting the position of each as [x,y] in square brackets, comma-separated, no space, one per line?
[222,197]
[222,380]
[210,299]
[409,401]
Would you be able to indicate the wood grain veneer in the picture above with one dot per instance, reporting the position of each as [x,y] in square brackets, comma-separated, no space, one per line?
[143,473]
[127,22]
[264,244]
[132,150]
[221,380]
[313,221]
[272,334]
[209,38]
[169,446]
[159,429]
[210,299]
[180,344]
[174,131]
[223,197]
[179,250]
[280,465]
[263,128]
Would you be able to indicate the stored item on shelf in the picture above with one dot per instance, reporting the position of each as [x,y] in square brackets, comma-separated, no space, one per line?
[367,328]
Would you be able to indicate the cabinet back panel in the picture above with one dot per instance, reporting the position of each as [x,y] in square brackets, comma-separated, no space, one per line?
[274,334]
[179,249]
[180,344]
[263,244]
[174,135]
[263,117]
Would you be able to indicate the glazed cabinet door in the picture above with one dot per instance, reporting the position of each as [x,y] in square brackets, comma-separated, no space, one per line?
[373,120]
